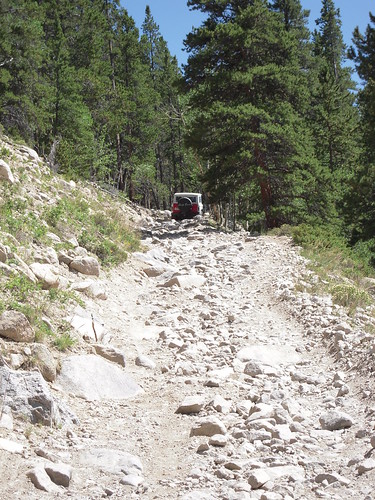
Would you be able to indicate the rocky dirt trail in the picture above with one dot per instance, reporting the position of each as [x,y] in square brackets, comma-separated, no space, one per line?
[248,390]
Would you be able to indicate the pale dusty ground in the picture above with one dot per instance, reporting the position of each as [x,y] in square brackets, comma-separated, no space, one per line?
[239,297]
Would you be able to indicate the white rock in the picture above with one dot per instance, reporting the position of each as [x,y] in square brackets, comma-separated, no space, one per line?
[60,474]
[6,418]
[218,440]
[94,378]
[261,410]
[208,426]
[366,466]
[145,361]
[220,404]
[132,480]
[6,173]
[258,478]
[283,432]
[41,480]
[185,281]
[47,275]
[11,446]
[16,360]
[335,420]
[191,404]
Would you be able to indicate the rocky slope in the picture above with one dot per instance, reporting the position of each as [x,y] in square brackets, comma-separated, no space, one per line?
[199,372]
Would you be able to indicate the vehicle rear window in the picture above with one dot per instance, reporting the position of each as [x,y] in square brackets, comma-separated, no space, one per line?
[193,199]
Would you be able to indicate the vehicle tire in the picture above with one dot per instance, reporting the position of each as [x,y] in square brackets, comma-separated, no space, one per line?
[185,206]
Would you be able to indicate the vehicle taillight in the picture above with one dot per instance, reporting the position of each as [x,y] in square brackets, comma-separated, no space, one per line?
[194,208]
[175,207]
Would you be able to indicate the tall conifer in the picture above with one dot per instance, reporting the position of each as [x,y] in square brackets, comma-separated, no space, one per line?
[360,206]
[248,92]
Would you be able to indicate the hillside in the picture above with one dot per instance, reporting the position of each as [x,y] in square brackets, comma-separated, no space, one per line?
[192,364]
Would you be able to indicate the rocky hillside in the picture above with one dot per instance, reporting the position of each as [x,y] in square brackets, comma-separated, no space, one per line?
[189,367]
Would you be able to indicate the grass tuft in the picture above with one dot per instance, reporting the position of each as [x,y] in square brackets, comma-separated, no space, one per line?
[340,269]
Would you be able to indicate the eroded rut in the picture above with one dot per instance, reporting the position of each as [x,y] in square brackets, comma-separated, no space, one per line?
[241,398]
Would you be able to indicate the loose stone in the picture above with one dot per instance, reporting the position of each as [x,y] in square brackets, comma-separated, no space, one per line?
[335,420]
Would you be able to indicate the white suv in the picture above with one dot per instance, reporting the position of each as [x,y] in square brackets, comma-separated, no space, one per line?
[187,205]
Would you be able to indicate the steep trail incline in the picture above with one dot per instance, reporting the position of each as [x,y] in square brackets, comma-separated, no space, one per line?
[241,400]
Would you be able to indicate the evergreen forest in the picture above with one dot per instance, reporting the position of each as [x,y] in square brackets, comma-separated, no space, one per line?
[264,119]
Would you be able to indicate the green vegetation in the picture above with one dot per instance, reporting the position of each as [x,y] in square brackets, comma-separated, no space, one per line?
[63,340]
[100,232]
[21,294]
[4,152]
[264,117]
[350,296]
[17,217]
[340,269]
[100,103]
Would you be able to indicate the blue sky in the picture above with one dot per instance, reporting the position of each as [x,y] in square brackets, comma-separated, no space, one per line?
[175,20]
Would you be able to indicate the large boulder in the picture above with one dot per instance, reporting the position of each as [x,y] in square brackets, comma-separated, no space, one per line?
[185,281]
[47,275]
[29,397]
[3,253]
[24,269]
[335,420]
[85,265]
[15,326]
[6,173]
[93,378]
[46,256]
[45,362]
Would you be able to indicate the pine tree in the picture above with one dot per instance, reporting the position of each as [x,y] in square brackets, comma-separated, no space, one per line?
[248,92]
[24,94]
[135,108]
[363,55]
[335,115]
[71,132]
[360,202]
[164,72]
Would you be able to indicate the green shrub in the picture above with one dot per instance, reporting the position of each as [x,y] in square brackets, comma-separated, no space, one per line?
[62,339]
[4,152]
[63,342]
[340,268]
[20,287]
[330,251]
[64,296]
[42,330]
[31,312]
[350,296]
